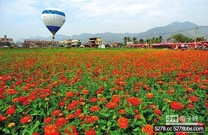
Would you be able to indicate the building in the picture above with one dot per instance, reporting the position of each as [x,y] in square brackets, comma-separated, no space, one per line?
[71,42]
[5,41]
[95,42]
[28,43]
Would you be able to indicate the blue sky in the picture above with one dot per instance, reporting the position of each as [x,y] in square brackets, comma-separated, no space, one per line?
[22,18]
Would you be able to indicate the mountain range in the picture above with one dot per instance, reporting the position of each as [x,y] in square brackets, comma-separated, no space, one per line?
[187,28]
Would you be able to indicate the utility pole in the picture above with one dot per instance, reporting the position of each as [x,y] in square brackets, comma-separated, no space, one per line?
[195,36]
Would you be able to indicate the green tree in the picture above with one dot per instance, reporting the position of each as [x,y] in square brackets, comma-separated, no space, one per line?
[134,39]
[180,38]
[125,40]
[141,41]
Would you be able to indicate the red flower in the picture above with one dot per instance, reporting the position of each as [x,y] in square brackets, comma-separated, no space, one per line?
[123,122]
[190,106]
[194,98]
[11,110]
[60,122]
[116,98]
[35,133]
[90,132]
[48,120]
[176,105]
[56,112]
[25,119]
[157,111]
[71,106]
[93,100]
[111,105]
[148,129]
[134,101]
[137,116]
[92,119]
[2,118]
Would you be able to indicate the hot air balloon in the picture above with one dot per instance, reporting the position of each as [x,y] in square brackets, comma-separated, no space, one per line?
[54,19]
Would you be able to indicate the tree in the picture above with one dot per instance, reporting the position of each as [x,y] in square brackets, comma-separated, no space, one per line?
[141,41]
[125,40]
[180,38]
[134,39]
[160,39]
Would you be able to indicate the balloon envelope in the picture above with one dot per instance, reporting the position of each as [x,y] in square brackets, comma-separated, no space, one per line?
[53,18]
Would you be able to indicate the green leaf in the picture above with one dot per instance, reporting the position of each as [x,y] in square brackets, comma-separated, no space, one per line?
[37,123]
[109,123]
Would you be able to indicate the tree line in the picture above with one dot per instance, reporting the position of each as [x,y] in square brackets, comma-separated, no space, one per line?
[176,38]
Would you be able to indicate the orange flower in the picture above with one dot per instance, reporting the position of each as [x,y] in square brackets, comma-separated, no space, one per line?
[51,129]
[69,94]
[111,105]
[25,119]
[70,116]
[11,91]
[150,95]
[123,122]
[122,111]
[148,129]
[170,91]
[85,92]
[116,98]
[176,105]
[94,108]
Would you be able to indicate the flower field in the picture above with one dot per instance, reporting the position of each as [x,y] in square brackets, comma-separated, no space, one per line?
[103,92]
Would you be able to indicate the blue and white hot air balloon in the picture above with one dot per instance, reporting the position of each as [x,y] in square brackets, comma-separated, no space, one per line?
[54,19]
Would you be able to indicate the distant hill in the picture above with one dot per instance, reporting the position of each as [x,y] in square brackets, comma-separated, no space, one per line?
[186,28]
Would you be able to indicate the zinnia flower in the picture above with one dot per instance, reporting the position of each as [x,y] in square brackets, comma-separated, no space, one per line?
[148,129]
[25,119]
[48,120]
[150,95]
[134,101]
[11,110]
[123,122]
[94,108]
[51,129]
[111,105]
[157,111]
[194,98]
[60,122]
[176,105]
[90,132]
[11,125]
